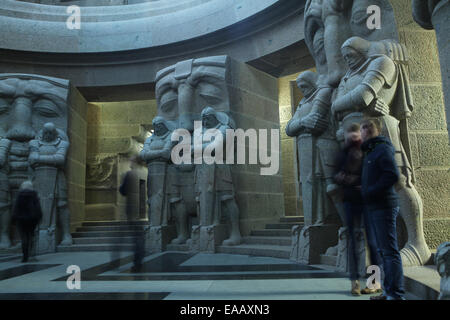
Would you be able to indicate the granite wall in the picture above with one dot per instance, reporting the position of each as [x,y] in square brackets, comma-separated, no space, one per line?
[288,99]
[76,157]
[428,133]
[254,104]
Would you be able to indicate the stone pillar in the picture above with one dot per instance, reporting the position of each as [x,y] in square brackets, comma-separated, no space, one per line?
[427,126]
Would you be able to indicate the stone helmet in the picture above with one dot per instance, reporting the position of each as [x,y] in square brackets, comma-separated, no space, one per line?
[222,117]
[310,77]
[358,44]
[168,124]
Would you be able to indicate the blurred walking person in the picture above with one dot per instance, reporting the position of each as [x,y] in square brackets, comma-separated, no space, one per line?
[27,214]
[379,175]
[128,189]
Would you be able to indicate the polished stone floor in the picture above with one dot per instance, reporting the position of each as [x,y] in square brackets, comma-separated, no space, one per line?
[169,276]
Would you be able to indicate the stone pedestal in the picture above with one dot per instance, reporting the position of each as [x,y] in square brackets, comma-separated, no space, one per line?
[313,241]
[158,237]
[342,263]
[206,238]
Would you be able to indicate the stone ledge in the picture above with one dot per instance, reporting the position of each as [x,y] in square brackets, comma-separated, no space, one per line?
[423,282]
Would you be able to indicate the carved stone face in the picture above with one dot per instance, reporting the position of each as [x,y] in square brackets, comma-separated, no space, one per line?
[353,58]
[28,102]
[160,129]
[184,89]
[209,121]
[306,88]
[49,132]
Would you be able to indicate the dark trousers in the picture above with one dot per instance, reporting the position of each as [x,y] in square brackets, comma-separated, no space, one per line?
[26,235]
[353,217]
[355,214]
[384,224]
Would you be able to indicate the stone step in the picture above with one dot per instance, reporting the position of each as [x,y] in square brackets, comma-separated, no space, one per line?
[278,241]
[177,247]
[292,219]
[257,250]
[95,247]
[104,240]
[111,228]
[115,223]
[328,260]
[283,225]
[93,234]
[271,233]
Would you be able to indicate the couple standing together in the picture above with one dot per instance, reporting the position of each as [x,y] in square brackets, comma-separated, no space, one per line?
[368,173]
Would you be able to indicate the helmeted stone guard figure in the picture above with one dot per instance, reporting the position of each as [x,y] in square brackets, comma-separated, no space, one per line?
[377,86]
[47,158]
[213,180]
[157,153]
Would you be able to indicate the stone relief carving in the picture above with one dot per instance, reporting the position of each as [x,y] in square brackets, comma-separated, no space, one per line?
[27,104]
[100,171]
[442,261]
[213,182]
[47,158]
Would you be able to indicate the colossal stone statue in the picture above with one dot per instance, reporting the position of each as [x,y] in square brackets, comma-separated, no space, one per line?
[184,89]
[328,23]
[161,177]
[377,86]
[317,149]
[213,181]
[156,153]
[27,102]
[442,261]
[47,158]
[316,152]
[182,92]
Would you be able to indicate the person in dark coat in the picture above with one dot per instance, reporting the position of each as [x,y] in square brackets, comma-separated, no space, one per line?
[27,214]
[379,175]
[350,162]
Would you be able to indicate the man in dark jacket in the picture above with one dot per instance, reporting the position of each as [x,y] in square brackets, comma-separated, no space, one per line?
[379,175]
[27,214]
